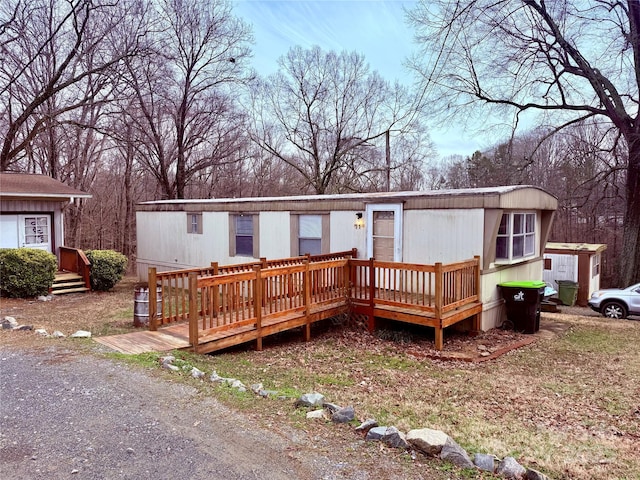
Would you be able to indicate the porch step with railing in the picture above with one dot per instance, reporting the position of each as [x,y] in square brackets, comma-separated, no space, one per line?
[67,282]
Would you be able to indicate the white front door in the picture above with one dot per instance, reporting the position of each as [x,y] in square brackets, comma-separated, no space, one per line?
[30,231]
[384,232]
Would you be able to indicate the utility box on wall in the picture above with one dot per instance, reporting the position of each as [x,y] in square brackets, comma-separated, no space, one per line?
[574,262]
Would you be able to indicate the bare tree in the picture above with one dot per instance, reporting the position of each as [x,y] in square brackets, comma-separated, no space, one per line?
[57,57]
[186,115]
[568,60]
[325,114]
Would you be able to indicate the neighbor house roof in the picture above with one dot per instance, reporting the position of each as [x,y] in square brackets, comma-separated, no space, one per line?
[556,247]
[26,185]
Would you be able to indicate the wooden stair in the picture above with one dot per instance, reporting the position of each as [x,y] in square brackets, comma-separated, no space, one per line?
[67,282]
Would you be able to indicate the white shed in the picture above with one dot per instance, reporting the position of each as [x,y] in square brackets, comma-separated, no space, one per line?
[576,262]
[506,226]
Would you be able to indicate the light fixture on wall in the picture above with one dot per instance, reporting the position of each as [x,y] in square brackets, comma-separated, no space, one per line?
[359,223]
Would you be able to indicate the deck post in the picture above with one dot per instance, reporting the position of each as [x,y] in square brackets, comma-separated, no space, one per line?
[438,305]
[307,301]
[372,293]
[193,310]
[346,280]
[215,293]
[477,318]
[153,299]
[257,305]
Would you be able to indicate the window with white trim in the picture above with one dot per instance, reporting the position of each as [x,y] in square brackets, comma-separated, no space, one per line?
[516,236]
[595,267]
[310,234]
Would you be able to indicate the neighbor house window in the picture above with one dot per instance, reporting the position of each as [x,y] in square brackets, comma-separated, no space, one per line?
[194,223]
[310,234]
[595,269]
[36,230]
[243,235]
[516,236]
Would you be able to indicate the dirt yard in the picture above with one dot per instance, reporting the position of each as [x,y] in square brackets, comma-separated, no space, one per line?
[565,401]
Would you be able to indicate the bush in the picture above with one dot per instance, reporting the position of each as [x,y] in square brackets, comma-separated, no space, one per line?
[107,268]
[26,272]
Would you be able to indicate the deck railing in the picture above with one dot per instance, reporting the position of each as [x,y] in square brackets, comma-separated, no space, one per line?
[422,287]
[172,286]
[252,296]
[74,260]
[263,296]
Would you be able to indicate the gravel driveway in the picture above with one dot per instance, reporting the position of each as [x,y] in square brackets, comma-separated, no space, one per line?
[66,415]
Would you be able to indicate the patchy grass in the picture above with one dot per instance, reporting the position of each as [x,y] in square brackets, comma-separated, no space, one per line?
[567,405]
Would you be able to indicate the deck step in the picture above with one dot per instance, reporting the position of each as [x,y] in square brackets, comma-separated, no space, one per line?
[69,290]
[67,282]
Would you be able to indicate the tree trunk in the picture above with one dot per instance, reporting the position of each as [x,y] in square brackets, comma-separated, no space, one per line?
[630,254]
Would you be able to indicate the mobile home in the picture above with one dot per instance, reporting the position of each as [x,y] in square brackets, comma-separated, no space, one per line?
[507,227]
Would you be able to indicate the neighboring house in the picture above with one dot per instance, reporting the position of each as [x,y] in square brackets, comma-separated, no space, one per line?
[506,226]
[577,262]
[32,211]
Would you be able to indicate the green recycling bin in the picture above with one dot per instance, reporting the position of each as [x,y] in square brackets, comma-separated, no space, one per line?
[567,292]
[523,300]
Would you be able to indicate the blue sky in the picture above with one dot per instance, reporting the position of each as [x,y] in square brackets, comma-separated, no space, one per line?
[375,28]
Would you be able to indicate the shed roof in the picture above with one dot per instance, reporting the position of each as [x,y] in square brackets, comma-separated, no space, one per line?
[556,247]
[41,187]
[510,197]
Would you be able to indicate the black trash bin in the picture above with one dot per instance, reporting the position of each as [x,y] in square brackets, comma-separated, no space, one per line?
[523,301]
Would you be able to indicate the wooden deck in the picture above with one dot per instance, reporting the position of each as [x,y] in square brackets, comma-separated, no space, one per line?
[210,309]
[174,337]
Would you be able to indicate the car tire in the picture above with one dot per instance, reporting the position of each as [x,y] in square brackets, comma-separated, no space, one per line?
[614,310]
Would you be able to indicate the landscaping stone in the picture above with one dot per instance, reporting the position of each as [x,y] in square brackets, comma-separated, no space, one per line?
[268,393]
[238,384]
[24,327]
[316,414]
[170,366]
[167,359]
[331,407]
[454,453]
[376,433]
[535,475]
[81,334]
[395,438]
[215,377]
[510,468]
[344,415]
[58,334]
[42,331]
[367,425]
[197,373]
[485,462]
[427,440]
[310,400]
[257,388]
[9,323]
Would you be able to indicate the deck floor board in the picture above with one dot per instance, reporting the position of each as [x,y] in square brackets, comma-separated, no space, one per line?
[144,341]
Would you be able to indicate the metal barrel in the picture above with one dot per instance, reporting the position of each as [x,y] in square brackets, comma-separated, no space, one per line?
[141,305]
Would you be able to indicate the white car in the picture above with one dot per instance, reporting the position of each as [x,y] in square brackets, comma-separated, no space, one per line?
[616,302]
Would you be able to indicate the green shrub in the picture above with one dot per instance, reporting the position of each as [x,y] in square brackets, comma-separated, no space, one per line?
[107,268]
[26,272]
